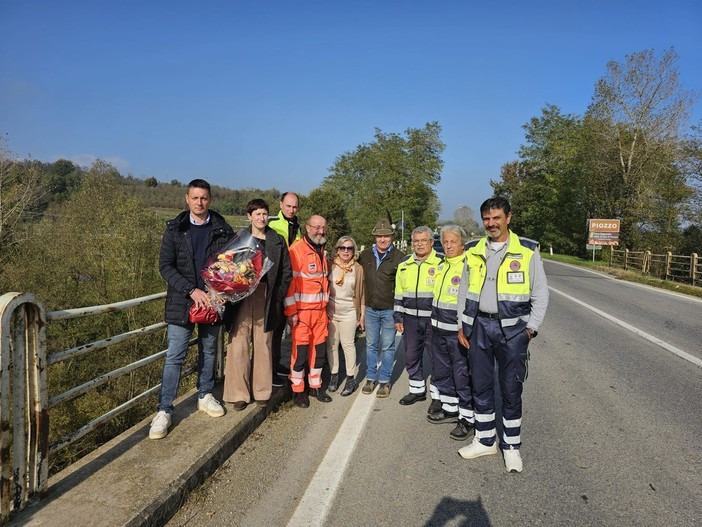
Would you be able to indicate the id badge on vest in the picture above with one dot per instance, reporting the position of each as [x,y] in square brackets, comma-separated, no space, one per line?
[515,277]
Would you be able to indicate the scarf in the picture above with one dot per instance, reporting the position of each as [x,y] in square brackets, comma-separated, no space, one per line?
[345,268]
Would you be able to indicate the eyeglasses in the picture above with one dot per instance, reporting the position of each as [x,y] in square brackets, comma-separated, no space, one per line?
[345,248]
[317,227]
[420,242]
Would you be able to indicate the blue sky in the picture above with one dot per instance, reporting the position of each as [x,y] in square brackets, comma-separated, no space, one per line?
[268,93]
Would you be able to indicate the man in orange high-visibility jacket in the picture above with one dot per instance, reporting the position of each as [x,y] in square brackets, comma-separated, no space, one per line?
[306,309]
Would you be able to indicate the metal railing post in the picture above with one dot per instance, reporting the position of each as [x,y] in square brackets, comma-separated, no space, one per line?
[219,355]
[23,345]
[668,259]
[693,268]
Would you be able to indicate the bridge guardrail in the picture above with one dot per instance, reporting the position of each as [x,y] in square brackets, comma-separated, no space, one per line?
[24,465]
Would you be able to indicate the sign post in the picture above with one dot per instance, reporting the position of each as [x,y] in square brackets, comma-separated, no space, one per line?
[602,232]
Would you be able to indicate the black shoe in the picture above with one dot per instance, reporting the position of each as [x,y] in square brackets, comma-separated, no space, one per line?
[442,417]
[435,406]
[262,404]
[350,387]
[320,395]
[281,370]
[239,405]
[412,398]
[277,381]
[301,399]
[462,430]
[333,382]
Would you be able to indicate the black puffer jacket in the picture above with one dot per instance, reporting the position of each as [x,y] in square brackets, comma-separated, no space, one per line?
[177,264]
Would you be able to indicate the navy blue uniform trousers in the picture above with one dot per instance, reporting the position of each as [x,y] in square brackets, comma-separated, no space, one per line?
[417,338]
[450,373]
[487,346]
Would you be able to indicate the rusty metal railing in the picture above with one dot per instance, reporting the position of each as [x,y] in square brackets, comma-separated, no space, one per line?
[667,266]
[23,380]
[24,468]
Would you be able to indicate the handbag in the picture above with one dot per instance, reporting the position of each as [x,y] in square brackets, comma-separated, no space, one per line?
[202,315]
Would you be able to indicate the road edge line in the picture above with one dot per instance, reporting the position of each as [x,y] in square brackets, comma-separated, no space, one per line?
[655,340]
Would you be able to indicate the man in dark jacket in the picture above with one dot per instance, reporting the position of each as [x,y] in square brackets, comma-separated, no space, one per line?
[379,264]
[189,241]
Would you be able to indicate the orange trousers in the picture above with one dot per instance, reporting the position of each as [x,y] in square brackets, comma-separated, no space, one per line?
[309,348]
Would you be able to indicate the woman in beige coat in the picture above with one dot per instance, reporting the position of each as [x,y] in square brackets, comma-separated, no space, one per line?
[347,302]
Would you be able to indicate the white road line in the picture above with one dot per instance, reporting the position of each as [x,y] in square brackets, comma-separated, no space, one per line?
[677,351]
[319,496]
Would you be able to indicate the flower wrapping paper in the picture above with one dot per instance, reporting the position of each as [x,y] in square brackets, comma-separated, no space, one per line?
[234,273]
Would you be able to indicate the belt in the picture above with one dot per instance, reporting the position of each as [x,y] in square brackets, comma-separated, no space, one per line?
[491,316]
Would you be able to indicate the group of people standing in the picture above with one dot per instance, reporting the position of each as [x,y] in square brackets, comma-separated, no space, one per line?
[477,305]
[475,308]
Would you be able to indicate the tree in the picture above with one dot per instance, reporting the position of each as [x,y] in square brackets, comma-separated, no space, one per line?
[691,241]
[635,123]
[98,247]
[60,179]
[547,186]
[151,182]
[464,217]
[692,167]
[393,173]
[625,159]
[20,197]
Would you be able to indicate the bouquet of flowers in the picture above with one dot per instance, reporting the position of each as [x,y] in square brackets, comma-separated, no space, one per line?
[234,273]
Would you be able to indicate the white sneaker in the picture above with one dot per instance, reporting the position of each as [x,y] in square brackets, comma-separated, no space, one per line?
[210,406]
[159,425]
[513,460]
[477,449]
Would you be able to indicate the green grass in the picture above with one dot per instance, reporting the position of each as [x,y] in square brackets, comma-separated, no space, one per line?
[629,276]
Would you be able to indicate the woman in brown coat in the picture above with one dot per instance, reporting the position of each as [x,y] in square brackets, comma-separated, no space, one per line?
[347,300]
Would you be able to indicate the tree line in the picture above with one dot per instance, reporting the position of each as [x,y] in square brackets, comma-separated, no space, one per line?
[631,156]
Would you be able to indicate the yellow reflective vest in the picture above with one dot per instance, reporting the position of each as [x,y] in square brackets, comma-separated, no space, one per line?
[414,286]
[513,284]
[444,314]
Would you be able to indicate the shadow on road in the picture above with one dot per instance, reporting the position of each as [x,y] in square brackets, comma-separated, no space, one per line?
[459,513]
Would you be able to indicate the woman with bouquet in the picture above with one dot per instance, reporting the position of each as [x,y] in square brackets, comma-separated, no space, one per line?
[249,375]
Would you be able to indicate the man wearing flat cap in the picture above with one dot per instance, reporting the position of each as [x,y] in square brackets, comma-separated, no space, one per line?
[379,264]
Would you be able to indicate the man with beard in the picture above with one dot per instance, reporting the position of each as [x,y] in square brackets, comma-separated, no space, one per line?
[306,309]
[506,296]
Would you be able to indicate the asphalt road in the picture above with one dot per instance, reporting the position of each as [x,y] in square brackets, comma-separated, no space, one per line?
[611,435]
